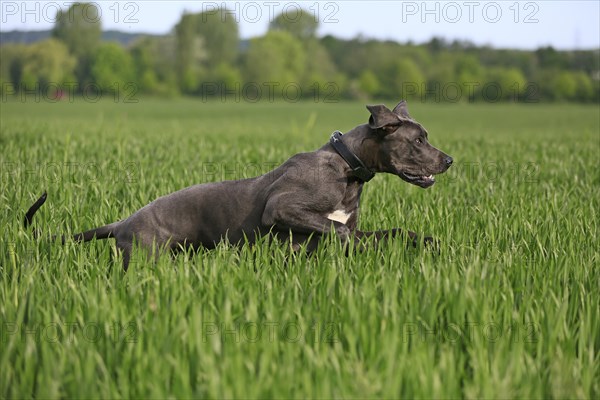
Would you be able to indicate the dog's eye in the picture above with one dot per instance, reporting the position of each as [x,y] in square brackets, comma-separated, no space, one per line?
[419,140]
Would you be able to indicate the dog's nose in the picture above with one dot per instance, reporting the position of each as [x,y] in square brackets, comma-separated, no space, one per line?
[448,160]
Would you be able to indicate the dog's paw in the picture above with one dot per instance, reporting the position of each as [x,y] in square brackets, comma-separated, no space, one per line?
[427,242]
[431,244]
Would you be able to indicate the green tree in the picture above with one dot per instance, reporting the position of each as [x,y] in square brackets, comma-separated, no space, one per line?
[190,54]
[220,35]
[585,87]
[277,57]
[225,78]
[404,79]
[12,58]
[551,58]
[47,63]
[204,41]
[299,22]
[564,86]
[154,62]
[437,44]
[164,62]
[144,64]
[80,29]
[510,82]
[440,75]
[227,75]
[355,56]
[319,69]
[469,74]
[341,85]
[368,83]
[112,68]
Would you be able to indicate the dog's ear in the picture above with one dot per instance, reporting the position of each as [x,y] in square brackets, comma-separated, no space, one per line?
[402,110]
[382,118]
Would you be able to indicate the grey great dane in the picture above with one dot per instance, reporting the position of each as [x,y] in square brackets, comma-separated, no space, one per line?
[308,196]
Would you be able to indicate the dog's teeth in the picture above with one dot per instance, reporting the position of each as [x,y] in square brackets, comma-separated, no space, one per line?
[430,177]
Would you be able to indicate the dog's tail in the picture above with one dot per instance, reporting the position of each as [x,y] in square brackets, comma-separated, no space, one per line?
[33,209]
[103,232]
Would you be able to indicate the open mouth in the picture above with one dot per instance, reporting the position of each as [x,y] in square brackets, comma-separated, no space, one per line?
[422,181]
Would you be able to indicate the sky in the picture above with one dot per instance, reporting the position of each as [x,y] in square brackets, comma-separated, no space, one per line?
[562,24]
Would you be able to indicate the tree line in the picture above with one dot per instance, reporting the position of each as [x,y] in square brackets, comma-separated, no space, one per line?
[204,56]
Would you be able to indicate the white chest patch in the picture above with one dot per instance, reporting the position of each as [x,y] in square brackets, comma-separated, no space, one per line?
[339,216]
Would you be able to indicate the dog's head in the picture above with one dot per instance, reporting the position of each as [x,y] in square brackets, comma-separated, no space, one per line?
[403,146]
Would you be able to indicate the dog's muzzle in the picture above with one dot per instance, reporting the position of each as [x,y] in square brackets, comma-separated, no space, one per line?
[422,181]
[425,181]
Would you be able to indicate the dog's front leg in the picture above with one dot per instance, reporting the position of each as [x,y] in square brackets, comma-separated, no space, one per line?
[411,238]
[303,224]
[306,225]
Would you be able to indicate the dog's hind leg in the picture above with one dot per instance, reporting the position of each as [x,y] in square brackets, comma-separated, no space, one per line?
[103,232]
[125,251]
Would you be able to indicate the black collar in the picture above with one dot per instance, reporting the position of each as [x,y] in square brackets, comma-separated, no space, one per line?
[358,168]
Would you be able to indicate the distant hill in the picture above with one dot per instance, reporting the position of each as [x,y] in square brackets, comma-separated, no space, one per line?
[27,37]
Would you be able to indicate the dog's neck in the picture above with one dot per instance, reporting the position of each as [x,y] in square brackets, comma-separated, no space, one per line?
[361,141]
[359,170]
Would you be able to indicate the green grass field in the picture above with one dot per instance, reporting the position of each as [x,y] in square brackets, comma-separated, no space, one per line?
[508,309]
